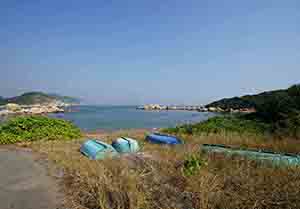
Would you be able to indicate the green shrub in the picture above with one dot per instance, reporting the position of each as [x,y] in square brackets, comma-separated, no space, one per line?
[31,128]
[192,165]
[222,124]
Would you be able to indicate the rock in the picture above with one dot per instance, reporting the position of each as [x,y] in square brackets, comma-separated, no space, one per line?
[220,109]
[53,109]
[35,110]
[32,109]
[6,112]
[212,109]
[13,107]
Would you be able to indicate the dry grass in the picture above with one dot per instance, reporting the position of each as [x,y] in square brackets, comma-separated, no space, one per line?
[155,179]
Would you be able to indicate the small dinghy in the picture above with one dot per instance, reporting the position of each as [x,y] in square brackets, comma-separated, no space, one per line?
[277,159]
[96,150]
[126,145]
[158,138]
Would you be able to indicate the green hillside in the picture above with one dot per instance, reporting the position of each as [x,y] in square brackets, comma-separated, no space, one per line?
[30,98]
[66,99]
[248,101]
[277,112]
[2,101]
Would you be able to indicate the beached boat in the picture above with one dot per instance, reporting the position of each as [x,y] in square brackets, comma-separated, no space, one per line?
[278,159]
[163,139]
[126,145]
[95,149]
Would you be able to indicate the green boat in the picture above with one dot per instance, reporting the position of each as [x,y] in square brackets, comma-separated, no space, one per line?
[97,150]
[277,159]
[126,145]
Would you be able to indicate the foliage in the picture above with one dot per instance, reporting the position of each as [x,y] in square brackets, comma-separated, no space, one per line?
[294,94]
[279,109]
[282,112]
[234,103]
[247,101]
[31,128]
[222,124]
[192,164]
[65,99]
[31,98]
[2,101]
[37,98]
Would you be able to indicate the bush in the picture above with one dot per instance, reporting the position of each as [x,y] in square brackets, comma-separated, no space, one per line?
[282,112]
[222,124]
[31,128]
[192,165]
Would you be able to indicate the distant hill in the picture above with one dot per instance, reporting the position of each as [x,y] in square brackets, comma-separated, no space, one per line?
[248,101]
[65,99]
[2,100]
[30,98]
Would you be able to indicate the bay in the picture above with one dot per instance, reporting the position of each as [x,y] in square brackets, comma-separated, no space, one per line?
[90,118]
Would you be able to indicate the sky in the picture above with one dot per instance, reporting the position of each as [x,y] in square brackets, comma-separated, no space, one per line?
[141,51]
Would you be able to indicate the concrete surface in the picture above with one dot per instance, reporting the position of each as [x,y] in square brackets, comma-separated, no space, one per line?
[24,183]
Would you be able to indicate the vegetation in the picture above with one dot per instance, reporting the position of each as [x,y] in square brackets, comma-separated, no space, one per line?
[65,99]
[192,164]
[2,101]
[31,128]
[37,98]
[175,177]
[248,101]
[277,112]
[222,124]
[282,112]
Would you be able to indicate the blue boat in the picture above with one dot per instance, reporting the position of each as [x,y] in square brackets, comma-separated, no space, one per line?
[158,138]
[96,150]
[277,159]
[126,145]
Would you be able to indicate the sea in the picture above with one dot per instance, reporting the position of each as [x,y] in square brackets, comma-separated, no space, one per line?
[92,118]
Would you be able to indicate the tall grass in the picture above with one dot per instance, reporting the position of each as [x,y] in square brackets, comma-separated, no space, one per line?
[157,179]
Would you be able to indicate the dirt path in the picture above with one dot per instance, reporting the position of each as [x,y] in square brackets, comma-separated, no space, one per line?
[24,183]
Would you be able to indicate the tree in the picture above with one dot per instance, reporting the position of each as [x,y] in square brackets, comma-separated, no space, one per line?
[294,93]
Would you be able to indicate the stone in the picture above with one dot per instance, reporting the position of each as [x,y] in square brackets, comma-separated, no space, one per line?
[13,107]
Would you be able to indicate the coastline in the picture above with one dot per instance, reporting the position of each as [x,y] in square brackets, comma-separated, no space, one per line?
[103,132]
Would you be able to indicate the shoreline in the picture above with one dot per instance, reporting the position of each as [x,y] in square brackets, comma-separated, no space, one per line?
[103,132]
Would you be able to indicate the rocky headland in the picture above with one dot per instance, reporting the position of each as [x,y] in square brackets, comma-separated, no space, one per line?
[35,103]
[35,109]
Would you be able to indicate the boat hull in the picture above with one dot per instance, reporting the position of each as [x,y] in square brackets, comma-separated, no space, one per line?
[126,145]
[96,150]
[277,159]
[163,139]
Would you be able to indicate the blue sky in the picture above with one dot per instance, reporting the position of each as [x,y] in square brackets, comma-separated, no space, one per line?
[141,51]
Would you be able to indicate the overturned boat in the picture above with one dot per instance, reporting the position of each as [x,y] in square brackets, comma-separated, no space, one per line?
[277,159]
[126,145]
[158,138]
[96,150]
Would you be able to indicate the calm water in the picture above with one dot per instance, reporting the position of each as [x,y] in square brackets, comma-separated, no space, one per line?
[90,118]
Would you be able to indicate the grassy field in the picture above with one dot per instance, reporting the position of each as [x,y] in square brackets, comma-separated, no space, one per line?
[174,177]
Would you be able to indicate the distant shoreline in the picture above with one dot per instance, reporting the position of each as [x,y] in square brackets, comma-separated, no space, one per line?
[158,107]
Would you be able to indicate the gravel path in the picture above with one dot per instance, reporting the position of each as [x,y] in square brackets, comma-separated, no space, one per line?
[24,183]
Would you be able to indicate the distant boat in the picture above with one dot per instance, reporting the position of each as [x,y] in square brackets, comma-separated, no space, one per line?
[158,138]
